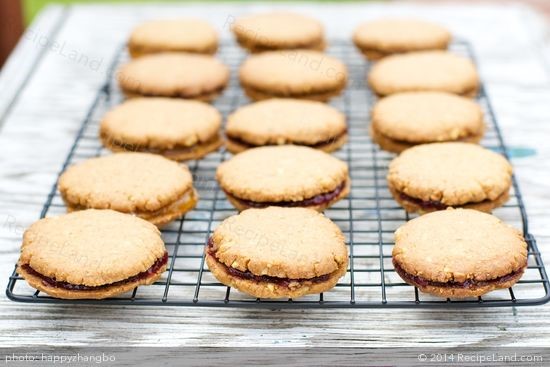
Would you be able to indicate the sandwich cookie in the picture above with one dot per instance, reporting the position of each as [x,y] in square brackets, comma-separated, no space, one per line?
[145,185]
[278,252]
[175,75]
[278,31]
[380,38]
[436,176]
[177,129]
[286,121]
[403,120]
[300,74]
[459,253]
[175,35]
[424,71]
[91,254]
[285,175]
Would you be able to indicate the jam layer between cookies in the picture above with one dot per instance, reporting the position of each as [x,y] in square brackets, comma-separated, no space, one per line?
[320,199]
[51,282]
[468,284]
[247,275]
[438,205]
[318,145]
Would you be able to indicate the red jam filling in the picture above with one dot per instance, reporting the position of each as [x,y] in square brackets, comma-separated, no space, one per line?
[468,284]
[51,282]
[316,145]
[247,275]
[425,204]
[316,200]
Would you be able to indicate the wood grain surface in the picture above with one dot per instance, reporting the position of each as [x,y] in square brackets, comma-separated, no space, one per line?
[51,79]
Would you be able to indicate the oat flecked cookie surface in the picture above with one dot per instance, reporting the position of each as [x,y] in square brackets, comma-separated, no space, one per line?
[91,254]
[383,37]
[278,252]
[286,175]
[300,74]
[459,253]
[278,30]
[424,71]
[281,121]
[405,119]
[146,185]
[176,129]
[434,176]
[173,35]
[175,75]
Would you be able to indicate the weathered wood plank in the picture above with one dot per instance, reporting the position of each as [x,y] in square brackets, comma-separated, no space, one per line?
[42,124]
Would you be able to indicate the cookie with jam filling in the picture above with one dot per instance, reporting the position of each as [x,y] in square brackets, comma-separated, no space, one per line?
[146,185]
[278,252]
[91,254]
[285,175]
[459,253]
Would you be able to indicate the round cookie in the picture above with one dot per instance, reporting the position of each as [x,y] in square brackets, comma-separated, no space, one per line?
[277,31]
[286,121]
[145,185]
[173,35]
[300,74]
[91,254]
[285,175]
[459,253]
[424,71]
[278,252]
[380,38]
[435,176]
[403,120]
[175,75]
[177,129]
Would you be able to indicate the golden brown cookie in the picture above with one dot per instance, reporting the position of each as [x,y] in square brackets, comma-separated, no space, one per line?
[277,31]
[424,71]
[380,38]
[285,175]
[177,129]
[459,253]
[91,254]
[435,176]
[403,120]
[280,121]
[278,252]
[173,35]
[175,75]
[300,74]
[145,185]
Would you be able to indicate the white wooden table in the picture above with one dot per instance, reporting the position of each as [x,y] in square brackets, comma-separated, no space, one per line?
[51,79]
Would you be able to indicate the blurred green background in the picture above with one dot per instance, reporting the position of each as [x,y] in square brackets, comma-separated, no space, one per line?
[33,7]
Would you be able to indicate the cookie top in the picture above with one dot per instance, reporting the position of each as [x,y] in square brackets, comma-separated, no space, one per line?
[452,173]
[424,71]
[181,35]
[91,247]
[291,243]
[162,123]
[283,121]
[401,35]
[281,173]
[293,71]
[126,182]
[278,30]
[459,245]
[418,117]
[173,74]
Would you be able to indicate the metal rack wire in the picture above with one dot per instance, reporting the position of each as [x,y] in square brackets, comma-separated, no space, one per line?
[368,217]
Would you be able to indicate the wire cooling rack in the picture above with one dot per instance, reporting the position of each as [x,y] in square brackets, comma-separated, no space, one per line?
[368,216]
